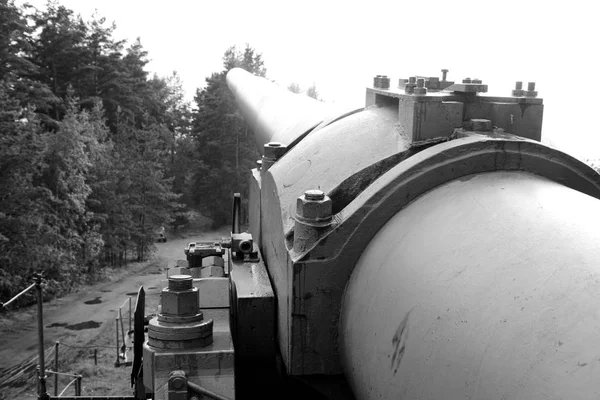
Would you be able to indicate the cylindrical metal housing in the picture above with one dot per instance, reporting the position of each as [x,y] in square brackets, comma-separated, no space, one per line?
[486,287]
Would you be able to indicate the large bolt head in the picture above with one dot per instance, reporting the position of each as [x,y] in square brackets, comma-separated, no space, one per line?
[311,208]
[212,272]
[213,260]
[179,302]
[274,150]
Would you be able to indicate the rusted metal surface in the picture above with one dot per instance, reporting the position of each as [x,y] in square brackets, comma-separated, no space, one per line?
[486,287]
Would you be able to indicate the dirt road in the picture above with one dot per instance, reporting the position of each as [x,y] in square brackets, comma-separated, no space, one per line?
[80,317]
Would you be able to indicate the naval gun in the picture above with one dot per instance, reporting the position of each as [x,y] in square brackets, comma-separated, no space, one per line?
[428,245]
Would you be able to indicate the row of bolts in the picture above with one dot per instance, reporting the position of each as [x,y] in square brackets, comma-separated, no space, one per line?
[417,86]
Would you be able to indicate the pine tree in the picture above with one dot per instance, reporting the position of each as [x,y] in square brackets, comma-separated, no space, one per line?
[225,145]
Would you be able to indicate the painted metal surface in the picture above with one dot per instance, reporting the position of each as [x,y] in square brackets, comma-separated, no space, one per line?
[253,311]
[309,285]
[274,113]
[328,156]
[486,287]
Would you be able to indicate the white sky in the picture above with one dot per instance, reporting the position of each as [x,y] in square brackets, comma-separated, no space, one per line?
[341,45]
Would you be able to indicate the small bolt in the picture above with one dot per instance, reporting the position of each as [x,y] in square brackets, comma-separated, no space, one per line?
[518,85]
[466,80]
[444,73]
[531,86]
[420,82]
[412,79]
[314,195]
[259,163]
[477,81]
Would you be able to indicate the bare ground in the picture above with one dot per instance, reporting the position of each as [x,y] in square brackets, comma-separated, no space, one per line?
[85,320]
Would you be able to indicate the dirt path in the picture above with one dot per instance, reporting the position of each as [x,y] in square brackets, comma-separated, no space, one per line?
[80,317]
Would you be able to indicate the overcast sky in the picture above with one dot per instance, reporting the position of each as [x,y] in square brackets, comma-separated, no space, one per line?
[341,45]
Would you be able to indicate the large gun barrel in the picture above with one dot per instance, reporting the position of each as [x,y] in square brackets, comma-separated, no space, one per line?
[274,113]
[427,246]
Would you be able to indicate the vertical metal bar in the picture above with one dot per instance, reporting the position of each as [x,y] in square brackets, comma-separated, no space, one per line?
[122,331]
[236,213]
[42,377]
[117,331]
[78,386]
[56,368]
[129,314]
[95,356]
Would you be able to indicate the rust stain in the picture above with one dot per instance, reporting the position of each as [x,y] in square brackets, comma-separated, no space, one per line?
[399,342]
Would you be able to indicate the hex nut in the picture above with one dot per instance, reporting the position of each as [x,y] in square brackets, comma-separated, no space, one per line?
[212,272]
[213,260]
[179,302]
[178,271]
[274,150]
[314,210]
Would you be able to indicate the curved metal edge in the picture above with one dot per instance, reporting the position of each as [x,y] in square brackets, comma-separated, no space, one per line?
[355,225]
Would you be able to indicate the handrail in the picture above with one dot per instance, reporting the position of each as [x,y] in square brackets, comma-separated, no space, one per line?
[17,296]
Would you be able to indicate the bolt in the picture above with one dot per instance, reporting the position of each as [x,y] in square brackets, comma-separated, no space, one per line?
[314,195]
[518,91]
[466,80]
[420,89]
[444,73]
[477,81]
[313,217]
[274,151]
[177,380]
[384,82]
[258,163]
[531,86]
[412,79]
[314,206]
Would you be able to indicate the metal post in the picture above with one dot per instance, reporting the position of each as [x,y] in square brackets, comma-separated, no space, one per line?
[122,331]
[95,356]
[42,394]
[117,331]
[56,368]
[129,314]
[78,386]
